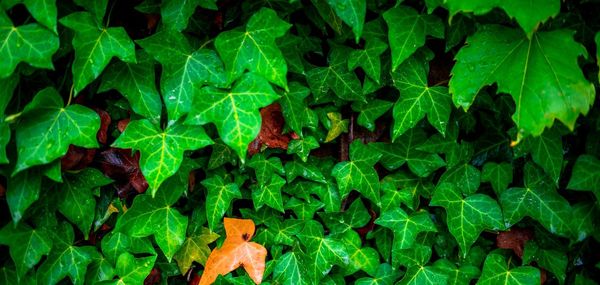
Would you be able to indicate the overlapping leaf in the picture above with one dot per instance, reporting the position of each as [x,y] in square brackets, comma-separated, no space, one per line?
[95,46]
[358,173]
[161,150]
[336,77]
[496,271]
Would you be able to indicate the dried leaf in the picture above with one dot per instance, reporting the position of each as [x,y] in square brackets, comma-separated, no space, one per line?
[237,250]
[514,239]
[271,130]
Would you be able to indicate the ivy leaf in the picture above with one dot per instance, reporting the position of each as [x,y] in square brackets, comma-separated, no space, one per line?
[218,199]
[302,147]
[358,173]
[95,7]
[585,175]
[457,276]
[27,245]
[554,261]
[369,59]
[500,175]
[467,217]
[44,11]
[22,191]
[47,128]
[338,126]
[407,31]
[529,15]
[518,65]
[293,106]
[352,13]
[290,269]
[496,271]
[465,177]
[307,170]
[64,252]
[304,210]
[255,48]
[133,270]
[29,43]
[77,203]
[195,249]
[176,13]
[385,275]
[370,111]
[417,98]
[237,250]
[136,82]
[154,216]
[95,46]
[234,112]
[418,275]
[323,252]
[361,257]
[161,152]
[265,168]
[336,77]
[547,151]
[269,194]
[543,204]
[185,70]
[405,227]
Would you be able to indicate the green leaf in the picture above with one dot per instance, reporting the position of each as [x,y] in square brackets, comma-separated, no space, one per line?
[457,276]
[369,59]
[336,77]
[96,7]
[161,152]
[99,270]
[136,82]
[195,249]
[114,244]
[27,245]
[234,112]
[302,147]
[291,269]
[552,260]
[547,151]
[528,14]
[543,204]
[304,210]
[418,275]
[184,70]
[95,46]
[218,199]
[23,190]
[77,202]
[355,216]
[293,107]
[467,217]
[500,175]
[369,112]
[586,175]
[43,11]
[465,177]
[338,126]
[306,170]
[405,227]
[496,271]
[29,43]
[407,31]
[155,216]
[176,13]
[322,252]
[255,49]
[385,275]
[417,98]
[265,168]
[519,66]
[65,253]
[133,270]
[352,12]
[269,194]
[584,217]
[358,173]
[360,257]
[47,128]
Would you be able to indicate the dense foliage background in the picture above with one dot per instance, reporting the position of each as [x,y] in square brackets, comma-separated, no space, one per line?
[130,129]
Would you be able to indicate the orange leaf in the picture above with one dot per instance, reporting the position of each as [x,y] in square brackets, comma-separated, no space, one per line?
[237,250]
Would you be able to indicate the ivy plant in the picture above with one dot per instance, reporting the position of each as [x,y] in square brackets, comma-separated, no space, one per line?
[299,142]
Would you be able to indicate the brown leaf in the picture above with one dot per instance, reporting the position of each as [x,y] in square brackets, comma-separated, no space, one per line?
[105,121]
[271,130]
[153,277]
[77,158]
[237,250]
[2,191]
[514,239]
[121,166]
[122,124]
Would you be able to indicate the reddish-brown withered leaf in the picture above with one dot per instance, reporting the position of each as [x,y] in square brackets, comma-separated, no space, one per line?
[237,250]
[514,239]
[271,130]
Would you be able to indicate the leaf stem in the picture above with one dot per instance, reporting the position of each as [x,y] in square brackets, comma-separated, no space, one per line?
[70,95]
[11,118]
[206,43]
